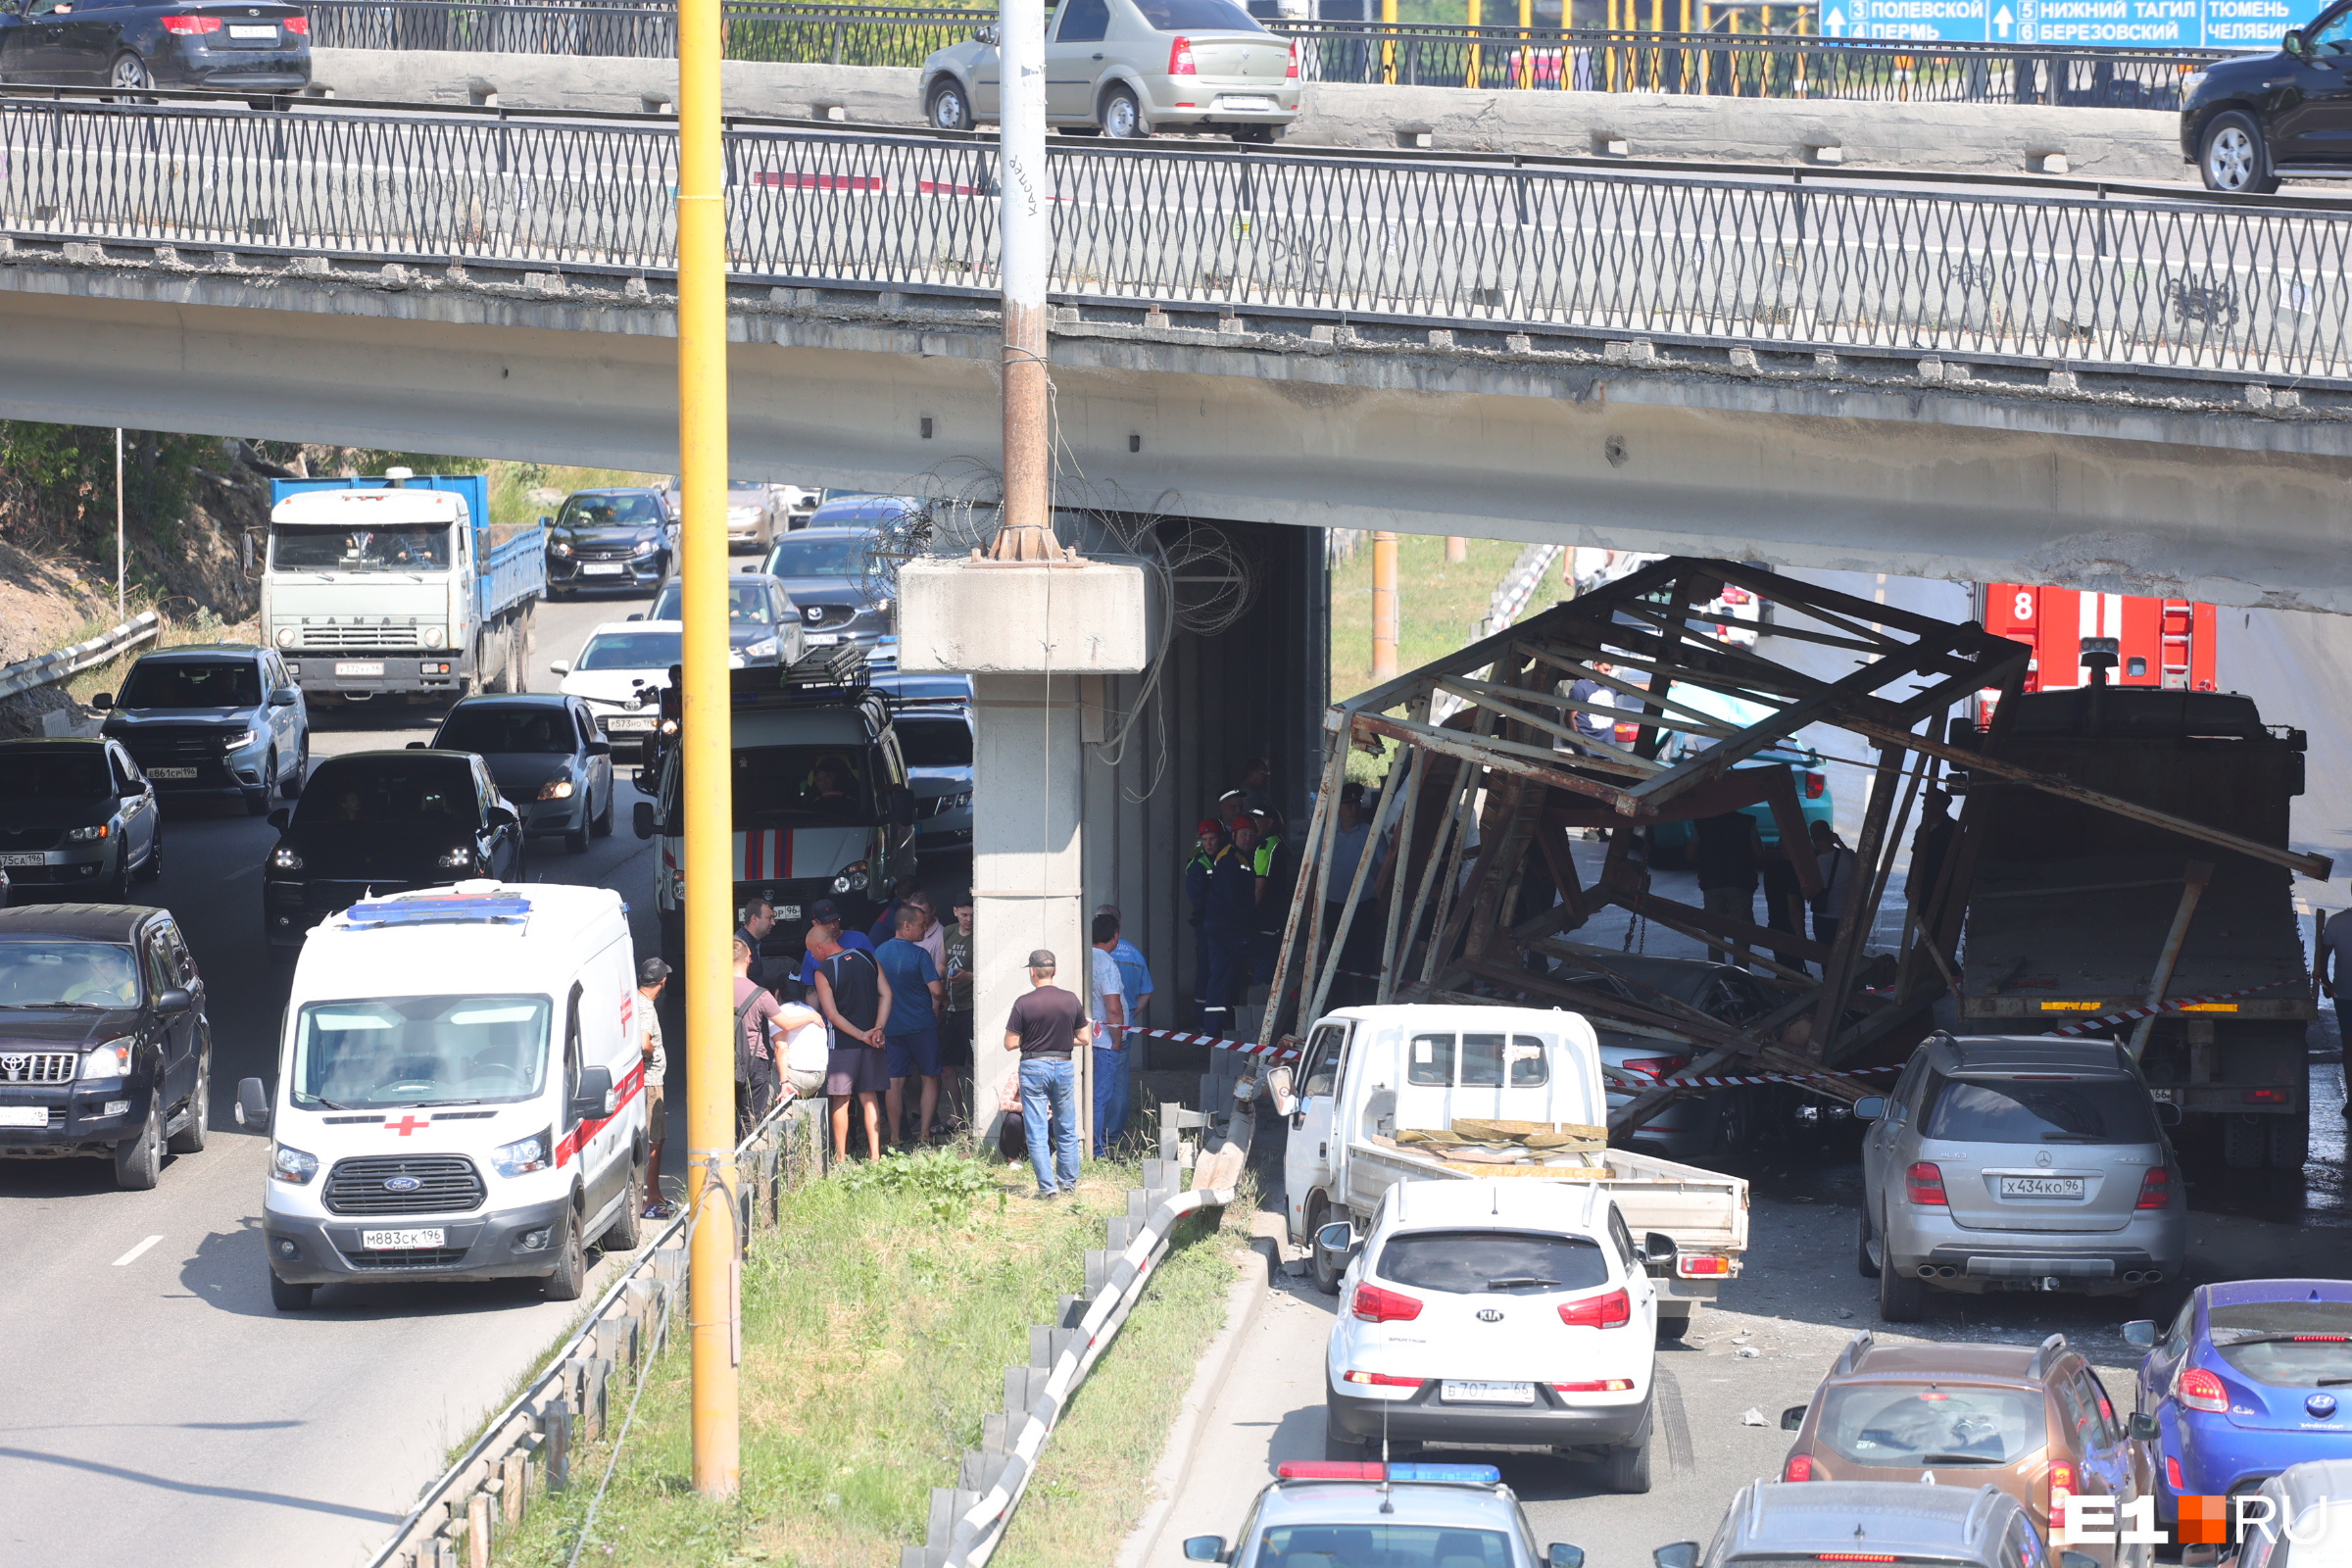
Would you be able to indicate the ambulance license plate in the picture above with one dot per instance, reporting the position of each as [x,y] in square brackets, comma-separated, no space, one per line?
[1454,1393]
[401,1241]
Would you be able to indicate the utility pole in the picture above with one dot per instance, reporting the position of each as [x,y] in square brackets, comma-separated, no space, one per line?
[712,1270]
[1384,606]
[117,522]
[1025,227]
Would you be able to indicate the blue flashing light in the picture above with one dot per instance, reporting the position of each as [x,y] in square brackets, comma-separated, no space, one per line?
[465,909]
[1484,1475]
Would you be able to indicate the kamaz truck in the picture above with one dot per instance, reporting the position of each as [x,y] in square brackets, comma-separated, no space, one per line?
[399,588]
[2072,910]
[822,804]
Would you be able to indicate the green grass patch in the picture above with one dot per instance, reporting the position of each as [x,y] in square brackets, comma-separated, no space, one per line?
[879,1315]
[1438,604]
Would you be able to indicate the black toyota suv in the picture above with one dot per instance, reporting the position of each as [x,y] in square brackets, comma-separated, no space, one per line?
[2249,120]
[616,538]
[104,1048]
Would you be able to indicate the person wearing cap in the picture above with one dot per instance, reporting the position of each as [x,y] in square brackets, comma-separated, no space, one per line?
[1047,1026]
[1232,806]
[854,994]
[1208,841]
[653,978]
[1228,924]
[826,913]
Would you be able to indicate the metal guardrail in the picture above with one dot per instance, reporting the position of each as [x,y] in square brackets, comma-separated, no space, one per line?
[47,670]
[2052,272]
[1705,63]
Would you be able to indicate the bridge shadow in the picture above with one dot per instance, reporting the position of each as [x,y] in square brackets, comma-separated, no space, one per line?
[229,1272]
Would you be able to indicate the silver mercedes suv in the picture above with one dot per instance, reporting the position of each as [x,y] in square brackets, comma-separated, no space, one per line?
[2018,1162]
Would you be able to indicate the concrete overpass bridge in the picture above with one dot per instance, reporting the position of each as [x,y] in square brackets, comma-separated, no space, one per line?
[2123,388]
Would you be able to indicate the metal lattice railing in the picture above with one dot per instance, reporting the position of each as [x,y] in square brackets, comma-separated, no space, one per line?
[1586,60]
[1903,264]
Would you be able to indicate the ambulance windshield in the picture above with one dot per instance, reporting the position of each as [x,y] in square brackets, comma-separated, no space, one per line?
[420,1050]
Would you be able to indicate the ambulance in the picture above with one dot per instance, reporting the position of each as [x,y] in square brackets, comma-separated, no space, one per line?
[460,1096]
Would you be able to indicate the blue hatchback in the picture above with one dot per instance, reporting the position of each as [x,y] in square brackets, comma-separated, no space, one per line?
[2250,1378]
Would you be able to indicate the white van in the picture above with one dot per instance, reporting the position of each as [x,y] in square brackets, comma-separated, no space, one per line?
[459,1092]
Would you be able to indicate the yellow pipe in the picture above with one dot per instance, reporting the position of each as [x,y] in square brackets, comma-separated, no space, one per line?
[1470,76]
[1608,58]
[1657,25]
[707,743]
[1734,62]
[1706,56]
[1683,78]
[1527,62]
[1384,606]
[1388,51]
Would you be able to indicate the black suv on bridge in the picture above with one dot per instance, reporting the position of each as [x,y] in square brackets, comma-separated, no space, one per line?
[2248,122]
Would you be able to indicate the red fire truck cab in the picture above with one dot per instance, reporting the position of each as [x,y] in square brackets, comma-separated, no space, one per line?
[2166,642]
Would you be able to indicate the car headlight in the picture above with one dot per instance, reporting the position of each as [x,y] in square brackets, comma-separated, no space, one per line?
[109,1060]
[238,740]
[291,1165]
[435,636]
[458,860]
[764,647]
[2191,83]
[286,636]
[953,801]
[851,879]
[525,1154]
[557,547]
[88,835]
[283,859]
[643,546]
[555,789]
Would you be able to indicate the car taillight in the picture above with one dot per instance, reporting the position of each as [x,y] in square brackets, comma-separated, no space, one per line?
[1180,58]
[1701,1265]
[1384,1380]
[2062,1486]
[301,24]
[2266,1097]
[2172,1472]
[1613,1310]
[1800,1468]
[1598,1386]
[1923,1183]
[1815,783]
[188,24]
[1293,73]
[2155,1188]
[2201,1390]
[1376,1305]
[1653,1066]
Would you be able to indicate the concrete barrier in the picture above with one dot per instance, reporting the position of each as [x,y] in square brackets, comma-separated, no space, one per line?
[2120,144]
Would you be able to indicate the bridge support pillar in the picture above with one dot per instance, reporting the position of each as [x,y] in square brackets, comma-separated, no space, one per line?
[1028,634]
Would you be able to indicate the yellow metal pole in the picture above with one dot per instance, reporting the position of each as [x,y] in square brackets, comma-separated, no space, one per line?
[706,743]
[1384,606]
[1733,63]
[1683,56]
[1657,25]
[1387,50]
[1527,58]
[1477,13]
[1609,57]
[1706,56]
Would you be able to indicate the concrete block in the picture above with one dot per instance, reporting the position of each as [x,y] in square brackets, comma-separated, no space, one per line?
[2063,382]
[2286,397]
[1825,363]
[546,282]
[1441,337]
[982,618]
[1098,1270]
[1231,324]
[1743,359]
[83,252]
[1321,332]
[2258,395]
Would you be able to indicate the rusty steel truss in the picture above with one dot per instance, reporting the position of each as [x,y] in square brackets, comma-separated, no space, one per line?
[1510,762]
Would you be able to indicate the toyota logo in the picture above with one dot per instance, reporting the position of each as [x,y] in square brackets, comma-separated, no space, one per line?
[401,1183]
[1487,1314]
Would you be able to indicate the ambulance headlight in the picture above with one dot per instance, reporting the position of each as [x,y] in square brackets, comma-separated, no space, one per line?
[525,1154]
[293,1164]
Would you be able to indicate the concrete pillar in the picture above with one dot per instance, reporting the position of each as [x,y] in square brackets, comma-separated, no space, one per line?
[1029,634]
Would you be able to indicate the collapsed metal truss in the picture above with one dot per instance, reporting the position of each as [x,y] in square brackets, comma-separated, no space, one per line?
[1510,762]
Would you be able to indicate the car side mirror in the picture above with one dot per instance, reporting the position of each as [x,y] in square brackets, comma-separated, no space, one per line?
[643,818]
[283,696]
[593,1100]
[1793,1419]
[2076,1559]
[103,700]
[1337,1243]
[503,817]
[1870,1107]
[2141,1332]
[421,746]
[562,667]
[1560,1554]
[635,615]
[546,522]
[1658,1250]
[252,1104]
[1204,1549]
[175,999]
[2292,42]
[2142,1427]
[1677,1555]
[985,34]
[600,748]
[281,818]
[2167,1115]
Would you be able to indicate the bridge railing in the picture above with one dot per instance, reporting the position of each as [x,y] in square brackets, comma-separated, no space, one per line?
[1704,62]
[2050,273]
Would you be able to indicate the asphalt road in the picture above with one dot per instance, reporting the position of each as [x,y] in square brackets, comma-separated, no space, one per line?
[154,1403]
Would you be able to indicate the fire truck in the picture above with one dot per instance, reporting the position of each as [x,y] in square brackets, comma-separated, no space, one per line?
[2164,643]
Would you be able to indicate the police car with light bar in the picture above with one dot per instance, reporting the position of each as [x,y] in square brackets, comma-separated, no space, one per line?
[460,1093]
[1355,1515]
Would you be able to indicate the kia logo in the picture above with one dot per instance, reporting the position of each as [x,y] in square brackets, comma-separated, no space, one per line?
[1487,1314]
[401,1183]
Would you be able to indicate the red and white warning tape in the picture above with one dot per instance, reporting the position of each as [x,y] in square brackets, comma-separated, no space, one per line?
[1766,1078]
[2170,1005]
[1245,1048]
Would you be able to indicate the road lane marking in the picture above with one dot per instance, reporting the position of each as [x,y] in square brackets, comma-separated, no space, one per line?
[132,1254]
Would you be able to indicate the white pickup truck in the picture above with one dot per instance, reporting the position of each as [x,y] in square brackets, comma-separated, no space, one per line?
[1370,1073]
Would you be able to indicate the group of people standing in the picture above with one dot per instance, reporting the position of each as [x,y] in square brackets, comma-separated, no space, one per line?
[1239,882]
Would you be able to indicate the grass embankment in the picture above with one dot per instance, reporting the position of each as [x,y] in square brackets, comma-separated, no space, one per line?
[1439,606]
[878,1318]
[511,484]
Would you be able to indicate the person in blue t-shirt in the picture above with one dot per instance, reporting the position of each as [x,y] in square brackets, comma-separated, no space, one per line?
[828,913]
[911,1035]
